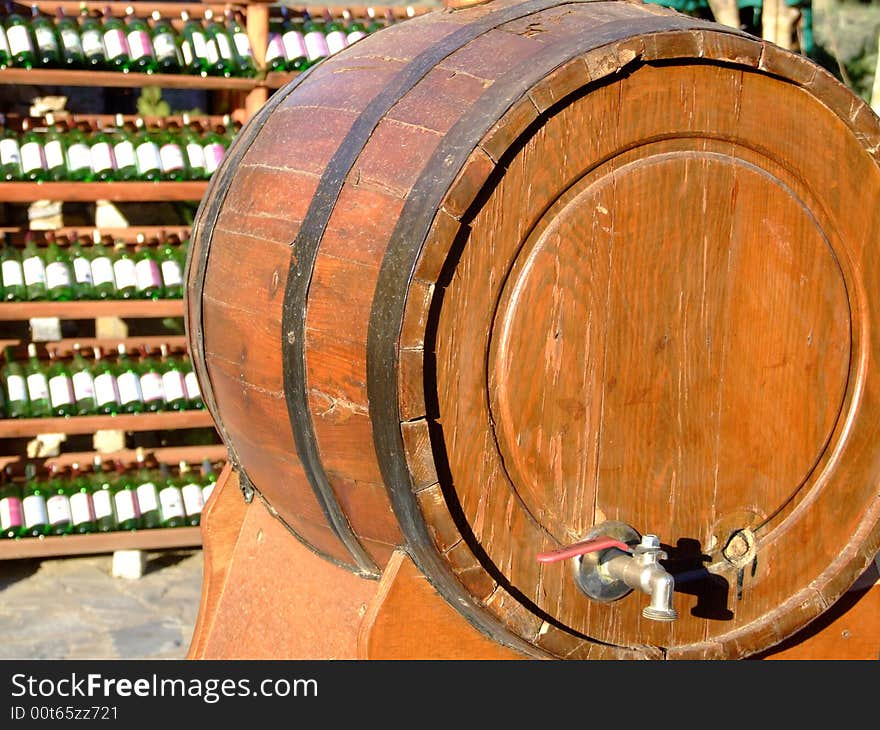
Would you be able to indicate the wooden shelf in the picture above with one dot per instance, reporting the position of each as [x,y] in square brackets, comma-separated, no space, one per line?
[101,542]
[171,455]
[16,234]
[170,420]
[87,309]
[65,77]
[64,346]
[25,192]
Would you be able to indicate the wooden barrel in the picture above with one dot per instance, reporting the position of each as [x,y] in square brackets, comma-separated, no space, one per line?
[497,275]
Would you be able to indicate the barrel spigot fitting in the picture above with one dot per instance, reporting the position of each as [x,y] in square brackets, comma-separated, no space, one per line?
[615,560]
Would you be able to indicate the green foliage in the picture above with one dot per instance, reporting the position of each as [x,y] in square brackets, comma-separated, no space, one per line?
[151,104]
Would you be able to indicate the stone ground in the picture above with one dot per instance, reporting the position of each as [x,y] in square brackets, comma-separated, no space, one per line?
[72,608]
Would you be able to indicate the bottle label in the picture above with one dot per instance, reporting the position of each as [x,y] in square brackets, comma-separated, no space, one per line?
[193,499]
[275,49]
[192,386]
[148,499]
[223,47]
[124,153]
[102,504]
[54,154]
[316,45]
[129,388]
[196,155]
[19,40]
[92,43]
[186,52]
[79,156]
[336,40]
[171,275]
[172,503]
[71,41]
[126,506]
[57,274]
[32,156]
[10,513]
[34,271]
[124,272]
[242,45]
[102,270]
[151,387]
[139,45]
[294,45]
[81,509]
[106,390]
[214,153]
[114,43]
[199,45]
[148,157]
[172,157]
[46,39]
[355,35]
[58,508]
[164,46]
[83,385]
[173,385]
[16,388]
[211,52]
[12,274]
[147,273]
[82,270]
[4,46]
[206,492]
[101,155]
[34,507]
[37,387]
[60,391]
[10,154]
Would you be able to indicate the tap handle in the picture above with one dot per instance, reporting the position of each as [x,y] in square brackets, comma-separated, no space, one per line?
[582,548]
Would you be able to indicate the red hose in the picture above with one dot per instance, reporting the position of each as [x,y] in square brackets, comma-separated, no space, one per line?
[582,548]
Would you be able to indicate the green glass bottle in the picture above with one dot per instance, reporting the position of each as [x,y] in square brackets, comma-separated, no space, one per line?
[172,153]
[5,56]
[92,39]
[335,33]
[274,58]
[83,383]
[14,289]
[33,158]
[79,154]
[142,58]
[147,271]
[37,384]
[62,401]
[15,386]
[193,392]
[33,267]
[128,380]
[59,272]
[220,56]
[152,386]
[193,46]
[147,492]
[102,497]
[107,400]
[173,381]
[146,149]
[125,500]
[314,38]
[171,266]
[214,145]
[191,493]
[354,27]
[82,510]
[295,53]
[11,510]
[10,152]
[124,272]
[101,264]
[72,54]
[33,503]
[101,154]
[58,502]
[191,138]
[123,150]
[20,39]
[46,46]
[374,23]
[208,480]
[243,54]
[54,148]
[80,259]
[171,508]
[165,45]
[115,42]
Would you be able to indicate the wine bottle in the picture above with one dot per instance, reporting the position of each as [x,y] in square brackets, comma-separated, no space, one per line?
[103,275]
[193,392]
[147,492]
[151,382]
[334,33]
[172,154]
[142,58]
[82,510]
[5,55]
[173,383]
[195,153]
[131,399]
[124,272]
[58,502]
[14,289]
[102,497]
[11,510]
[15,387]
[101,155]
[37,384]
[34,269]
[33,503]
[275,60]
[115,43]
[221,57]
[243,54]
[20,39]
[92,39]
[33,157]
[78,154]
[53,148]
[354,27]
[215,150]
[294,42]
[83,383]
[123,151]
[147,272]
[62,401]
[125,500]
[191,492]
[107,401]
[59,272]
[72,54]
[46,46]
[10,153]
[171,266]
[374,23]
[165,45]
[209,480]
[146,148]
[80,258]
[315,40]
[193,46]
[171,510]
